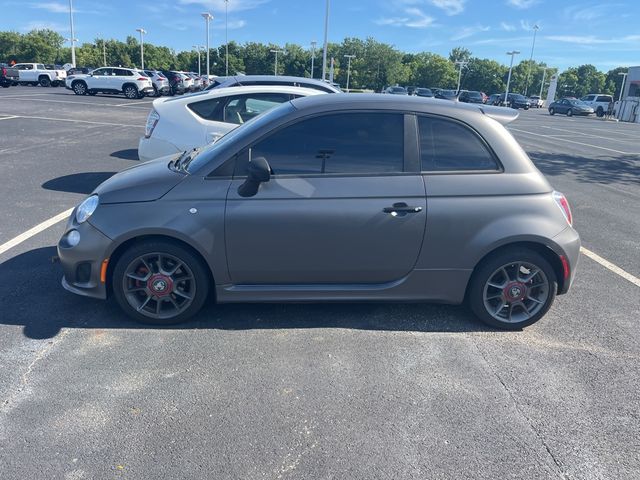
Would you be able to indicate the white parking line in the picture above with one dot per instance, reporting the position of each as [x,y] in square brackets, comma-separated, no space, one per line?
[577,143]
[9,118]
[592,135]
[73,102]
[79,121]
[34,231]
[610,266]
[133,103]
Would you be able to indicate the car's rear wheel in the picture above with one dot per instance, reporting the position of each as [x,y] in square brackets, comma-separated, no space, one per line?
[79,88]
[160,282]
[600,112]
[130,92]
[569,113]
[44,81]
[552,111]
[512,289]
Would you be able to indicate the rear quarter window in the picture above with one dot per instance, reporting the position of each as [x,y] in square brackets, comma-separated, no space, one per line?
[449,146]
[207,109]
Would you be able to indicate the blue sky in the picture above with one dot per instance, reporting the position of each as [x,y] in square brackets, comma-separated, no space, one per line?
[572,32]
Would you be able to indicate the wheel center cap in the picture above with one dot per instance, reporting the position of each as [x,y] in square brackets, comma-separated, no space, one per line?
[160,285]
[515,291]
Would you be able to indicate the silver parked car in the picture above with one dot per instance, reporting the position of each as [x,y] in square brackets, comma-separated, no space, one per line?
[159,81]
[332,198]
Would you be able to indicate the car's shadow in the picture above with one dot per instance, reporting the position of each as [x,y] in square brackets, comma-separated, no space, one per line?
[31,296]
[77,182]
[127,154]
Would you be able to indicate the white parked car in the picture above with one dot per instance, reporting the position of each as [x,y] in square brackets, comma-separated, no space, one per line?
[132,82]
[536,101]
[599,102]
[37,74]
[182,123]
[159,81]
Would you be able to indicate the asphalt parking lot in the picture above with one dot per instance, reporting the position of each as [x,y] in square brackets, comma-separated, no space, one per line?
[311,391]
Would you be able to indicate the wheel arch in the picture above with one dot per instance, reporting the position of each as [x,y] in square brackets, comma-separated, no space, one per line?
[129,84]
[125,244]
[547,252]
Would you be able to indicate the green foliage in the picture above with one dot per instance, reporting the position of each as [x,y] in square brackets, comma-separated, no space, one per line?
[376,65]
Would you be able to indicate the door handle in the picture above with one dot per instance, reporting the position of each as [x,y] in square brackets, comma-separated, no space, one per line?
[401,209]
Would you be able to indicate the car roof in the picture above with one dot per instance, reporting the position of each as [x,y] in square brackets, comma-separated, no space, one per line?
[227,92]
[372,101]
[273,78]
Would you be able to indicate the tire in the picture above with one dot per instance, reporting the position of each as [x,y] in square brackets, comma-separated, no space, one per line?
[156,93]
[92,92]
[552,111]
[5,85]
[142,305]
[44,81]
[79,88]
[130,91]
[570,113]
[600,112]
[542,285]
[141,95]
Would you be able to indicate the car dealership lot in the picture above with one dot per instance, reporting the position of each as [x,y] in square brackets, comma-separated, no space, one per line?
[310,391]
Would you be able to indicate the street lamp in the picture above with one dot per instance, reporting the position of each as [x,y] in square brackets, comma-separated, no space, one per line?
[226,37]
[624,82]
[142,32]
[198,47]
[533,45]
[506,95]
[276,51]
[349,69]
[104,50]
[207,18]
[313,55]
[326,44]
[72,39]
[461,64]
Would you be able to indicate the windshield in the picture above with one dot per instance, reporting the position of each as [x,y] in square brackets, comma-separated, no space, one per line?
[202,157]
[579,103]
[475,95]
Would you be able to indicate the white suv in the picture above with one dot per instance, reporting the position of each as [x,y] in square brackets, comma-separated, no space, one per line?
[131,82]
[599,102]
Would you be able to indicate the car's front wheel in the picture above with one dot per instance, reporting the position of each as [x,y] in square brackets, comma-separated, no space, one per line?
[569,113]
[512,289]
[552,111]
[79,88]
[160,282]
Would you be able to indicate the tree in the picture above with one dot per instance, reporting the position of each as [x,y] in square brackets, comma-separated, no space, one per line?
[459,54]
[613,81]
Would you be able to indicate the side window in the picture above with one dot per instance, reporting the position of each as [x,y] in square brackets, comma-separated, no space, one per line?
[207,109]
[351,143]
[121,72]
[450,146]
[40,67]
[245,107]
[604,98]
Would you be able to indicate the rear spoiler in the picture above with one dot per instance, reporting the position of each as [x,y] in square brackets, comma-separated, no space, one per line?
[504,115]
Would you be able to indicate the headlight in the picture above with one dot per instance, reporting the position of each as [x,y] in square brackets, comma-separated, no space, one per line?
[86,208]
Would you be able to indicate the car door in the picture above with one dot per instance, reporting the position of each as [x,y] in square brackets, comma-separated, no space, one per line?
[563,106]
[339,209]
[99,79]
[28,73]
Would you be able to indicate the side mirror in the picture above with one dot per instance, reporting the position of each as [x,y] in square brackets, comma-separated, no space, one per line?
[259,171]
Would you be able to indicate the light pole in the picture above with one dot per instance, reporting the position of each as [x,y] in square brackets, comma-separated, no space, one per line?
[197,47]
[142,32]
[207,18]
[624,82]
[506,95]
[73,39]
[104,51]
[276,51]
[226,37]
[349,69]
[461,64]
[313,55]
[544,74]
[533,45]
[326,44]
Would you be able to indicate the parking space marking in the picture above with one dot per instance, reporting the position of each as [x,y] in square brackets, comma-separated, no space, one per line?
[73,102]
[9,118]
[79,121]
[591,134]
[133,103]
[610,266]
[34,231]
[577,143]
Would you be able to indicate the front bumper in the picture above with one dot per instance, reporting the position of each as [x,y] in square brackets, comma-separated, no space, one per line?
[152,148]
[82,263]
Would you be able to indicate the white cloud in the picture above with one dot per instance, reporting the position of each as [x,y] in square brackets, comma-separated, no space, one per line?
[589,13]
[507,27]
[43,24]
[469,31]
[522,4]
[414,18]
[451,7]
[218,6]
[53,7]
[592,39]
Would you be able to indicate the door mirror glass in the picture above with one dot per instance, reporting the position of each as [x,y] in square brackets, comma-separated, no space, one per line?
[259,171]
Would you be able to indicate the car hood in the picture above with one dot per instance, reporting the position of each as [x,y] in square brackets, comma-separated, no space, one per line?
[141,183]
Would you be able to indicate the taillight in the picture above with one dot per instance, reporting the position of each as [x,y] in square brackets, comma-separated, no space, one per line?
[562,202]
[4,71]
[152,121]
[142,79]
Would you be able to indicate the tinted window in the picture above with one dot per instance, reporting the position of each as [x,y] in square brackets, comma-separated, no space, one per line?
[604,98]
[121,72]
[337,143]
[451,146]
[102,71]
[207,109]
